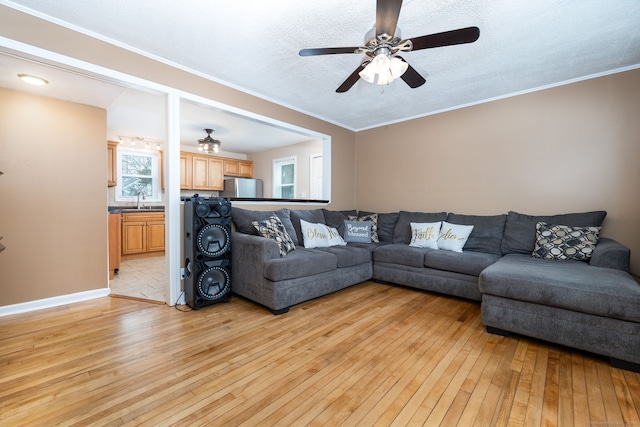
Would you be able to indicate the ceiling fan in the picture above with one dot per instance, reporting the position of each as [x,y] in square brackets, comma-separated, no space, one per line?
[383,43]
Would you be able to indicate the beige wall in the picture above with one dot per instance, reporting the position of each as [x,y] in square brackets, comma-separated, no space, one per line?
[263,165]
[566,149]
[53,198]
[54,225]
[33,31]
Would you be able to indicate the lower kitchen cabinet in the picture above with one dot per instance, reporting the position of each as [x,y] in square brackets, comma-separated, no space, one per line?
[142,234]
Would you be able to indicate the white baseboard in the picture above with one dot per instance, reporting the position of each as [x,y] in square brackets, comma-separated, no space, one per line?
[53,302]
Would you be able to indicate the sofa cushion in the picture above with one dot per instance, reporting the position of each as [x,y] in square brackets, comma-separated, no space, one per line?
[320,235]
[402,231]
[349,256]
[453,236]
[336,219]
[300,263]
[520,230]
[487,231]
[425,234]
[399,253]
[314,216]
[373,219]
[571,285]
[564,242]
[243,220]
[386,225]
[272,228]
[357,231]
[466,262]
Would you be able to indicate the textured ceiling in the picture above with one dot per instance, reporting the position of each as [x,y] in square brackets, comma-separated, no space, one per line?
[253,45]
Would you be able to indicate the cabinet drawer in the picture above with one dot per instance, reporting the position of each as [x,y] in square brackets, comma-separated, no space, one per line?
[143,217]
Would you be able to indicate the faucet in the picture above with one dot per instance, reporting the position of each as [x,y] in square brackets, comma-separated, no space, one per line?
[144,197]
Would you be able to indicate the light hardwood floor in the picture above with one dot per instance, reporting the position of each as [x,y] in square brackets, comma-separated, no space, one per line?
[371,355]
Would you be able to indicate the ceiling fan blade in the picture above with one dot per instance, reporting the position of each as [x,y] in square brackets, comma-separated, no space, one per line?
[327,51]
[447,38]
[387,12]
[352,79]
[411,76]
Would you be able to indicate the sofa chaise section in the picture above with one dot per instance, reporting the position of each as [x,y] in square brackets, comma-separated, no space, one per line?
[589,306]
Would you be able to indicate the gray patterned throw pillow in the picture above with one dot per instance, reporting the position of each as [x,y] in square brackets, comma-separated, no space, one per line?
[272,228]
[564,242]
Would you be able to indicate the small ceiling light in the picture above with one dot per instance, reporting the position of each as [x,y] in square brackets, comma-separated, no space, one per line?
[32,80]
[208,144]
[158,147]
[120,140]
[385,68]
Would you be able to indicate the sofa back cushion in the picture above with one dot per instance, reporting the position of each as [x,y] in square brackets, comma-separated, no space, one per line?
[314,216]
[243,220]
[386,225]
[486,235]
[336,219]
[520,229]
[402,230]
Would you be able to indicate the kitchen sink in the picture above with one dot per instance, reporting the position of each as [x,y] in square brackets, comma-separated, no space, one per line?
[118,209]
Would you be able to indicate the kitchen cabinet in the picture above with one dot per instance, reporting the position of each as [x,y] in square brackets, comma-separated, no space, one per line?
[185,171]
[201,172]
[112,160]
[142,234]
[238,168]
[115,252]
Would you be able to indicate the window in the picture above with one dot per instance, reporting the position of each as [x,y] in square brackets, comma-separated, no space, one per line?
[284,182]
[138,173]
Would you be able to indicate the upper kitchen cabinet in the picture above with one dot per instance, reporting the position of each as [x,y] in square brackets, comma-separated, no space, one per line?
[185,170]
[112,161]
[201,172]
[238,168]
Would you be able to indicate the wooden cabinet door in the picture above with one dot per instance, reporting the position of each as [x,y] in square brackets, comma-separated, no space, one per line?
[185,171]
[155,236]
[246,169]
[231,167]
[215,179]
[134,237]
[200,166]
[112,161]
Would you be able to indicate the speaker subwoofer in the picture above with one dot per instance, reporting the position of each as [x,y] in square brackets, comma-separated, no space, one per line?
[207,251]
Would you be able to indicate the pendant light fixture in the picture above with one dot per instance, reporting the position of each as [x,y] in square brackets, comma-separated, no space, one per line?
[208,144]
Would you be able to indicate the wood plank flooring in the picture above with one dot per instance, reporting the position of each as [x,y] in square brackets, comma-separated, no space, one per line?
[371,355]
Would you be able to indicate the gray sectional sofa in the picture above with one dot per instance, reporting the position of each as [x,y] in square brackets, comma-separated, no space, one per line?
[591,305]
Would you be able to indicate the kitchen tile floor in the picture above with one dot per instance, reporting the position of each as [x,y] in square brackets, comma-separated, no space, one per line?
[143,278]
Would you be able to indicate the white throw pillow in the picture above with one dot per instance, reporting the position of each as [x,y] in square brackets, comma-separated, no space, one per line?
[453,236]
[320,236]
[335,239]
[425,234]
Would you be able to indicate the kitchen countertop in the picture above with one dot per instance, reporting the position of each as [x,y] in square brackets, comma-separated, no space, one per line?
[129,209]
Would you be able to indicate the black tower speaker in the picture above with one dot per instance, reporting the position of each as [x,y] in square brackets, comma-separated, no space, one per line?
[207,251]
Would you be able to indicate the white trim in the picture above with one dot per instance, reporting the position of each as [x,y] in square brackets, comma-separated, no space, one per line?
[173,220]
[26,307]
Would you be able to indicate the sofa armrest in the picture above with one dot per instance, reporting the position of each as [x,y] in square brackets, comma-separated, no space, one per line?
[611,254]
[248,255]
[254,249]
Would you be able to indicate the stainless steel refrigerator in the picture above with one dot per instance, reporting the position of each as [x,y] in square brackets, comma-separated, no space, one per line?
[242,187]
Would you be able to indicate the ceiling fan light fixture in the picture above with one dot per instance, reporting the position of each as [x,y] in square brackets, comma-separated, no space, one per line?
[208,144]
[397,67]
[383,69]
